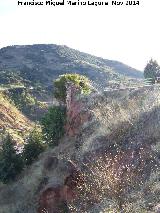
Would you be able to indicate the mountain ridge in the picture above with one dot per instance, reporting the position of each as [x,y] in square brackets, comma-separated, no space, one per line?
[42,63]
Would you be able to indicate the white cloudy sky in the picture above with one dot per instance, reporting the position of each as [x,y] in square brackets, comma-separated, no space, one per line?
[128,34]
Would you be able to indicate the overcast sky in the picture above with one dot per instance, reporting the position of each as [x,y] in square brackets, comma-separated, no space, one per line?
[127,34]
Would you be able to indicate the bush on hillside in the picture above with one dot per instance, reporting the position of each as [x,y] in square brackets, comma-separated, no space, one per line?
[33,147]
[26,102]
[11,163]
[79,80]
[152,70]
[53,124]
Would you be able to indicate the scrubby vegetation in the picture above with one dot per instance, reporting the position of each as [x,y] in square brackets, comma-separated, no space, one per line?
[114,167]
[12,121]
[34,145]
[118,159]
[53,124]
[26,102]
[60,85]
[41,64]
[11,162]
[152,70]
[11,78]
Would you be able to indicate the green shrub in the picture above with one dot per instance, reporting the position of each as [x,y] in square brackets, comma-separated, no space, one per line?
[33,147]
[53,124]
[10,77]
[22,99]
[11,163]
[79,80]
[152,70]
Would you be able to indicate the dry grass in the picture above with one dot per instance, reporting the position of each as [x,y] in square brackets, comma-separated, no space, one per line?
[130,119]
[12,120]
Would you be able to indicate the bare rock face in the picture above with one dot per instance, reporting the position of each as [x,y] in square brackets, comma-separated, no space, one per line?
[77,113]
[55,196]
[54,199]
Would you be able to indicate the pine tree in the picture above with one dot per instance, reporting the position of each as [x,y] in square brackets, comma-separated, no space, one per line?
[33,147]
[11,162]
[53,124]
[152,70]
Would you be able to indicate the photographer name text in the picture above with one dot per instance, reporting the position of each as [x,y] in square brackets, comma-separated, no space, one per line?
[78,3]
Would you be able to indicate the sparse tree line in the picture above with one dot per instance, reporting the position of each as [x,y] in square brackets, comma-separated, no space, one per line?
[48,133]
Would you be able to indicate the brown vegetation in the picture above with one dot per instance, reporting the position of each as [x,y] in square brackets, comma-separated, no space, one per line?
[117,159]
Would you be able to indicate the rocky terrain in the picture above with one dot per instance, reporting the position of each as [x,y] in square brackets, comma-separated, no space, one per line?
[110,151]
[108,159]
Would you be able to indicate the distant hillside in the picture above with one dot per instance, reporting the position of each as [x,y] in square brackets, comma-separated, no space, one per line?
[39,64]
[27,74]
[12,120]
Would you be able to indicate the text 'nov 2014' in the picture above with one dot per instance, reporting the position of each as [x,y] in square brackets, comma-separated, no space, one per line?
[78,3]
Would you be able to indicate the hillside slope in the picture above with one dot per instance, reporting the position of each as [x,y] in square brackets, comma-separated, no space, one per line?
[12,120]
[124,127]
[40,64]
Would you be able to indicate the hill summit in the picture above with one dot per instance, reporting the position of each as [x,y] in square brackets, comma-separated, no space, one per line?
[40,64]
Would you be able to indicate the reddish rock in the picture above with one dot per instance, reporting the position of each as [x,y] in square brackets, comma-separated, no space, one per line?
[50,199]
[77,113]
[54,198]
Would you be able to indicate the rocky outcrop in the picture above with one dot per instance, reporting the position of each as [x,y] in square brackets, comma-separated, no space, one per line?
[54,197]
[119,157]
[126,149]
[77,111]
